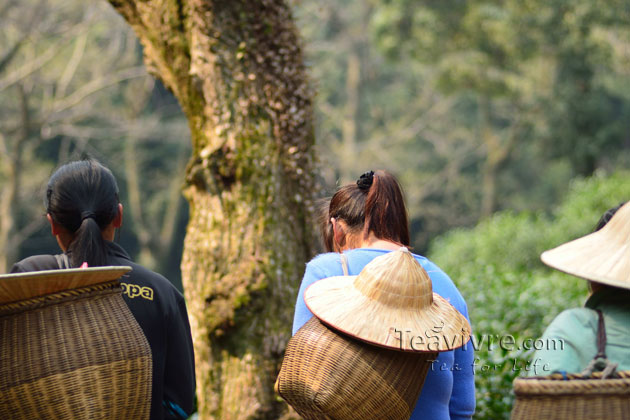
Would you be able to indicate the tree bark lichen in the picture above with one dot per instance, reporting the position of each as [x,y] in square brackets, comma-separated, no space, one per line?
[237,69]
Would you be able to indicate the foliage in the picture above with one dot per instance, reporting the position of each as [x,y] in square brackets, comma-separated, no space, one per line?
[477,105]
[509,291]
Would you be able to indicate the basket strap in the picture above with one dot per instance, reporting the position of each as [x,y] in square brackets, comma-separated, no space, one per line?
[600,362]
[601,335]
[344,263]
[62,260]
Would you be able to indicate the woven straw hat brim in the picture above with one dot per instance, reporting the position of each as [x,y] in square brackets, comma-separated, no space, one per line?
[337,303]
[20,286]
[602,256]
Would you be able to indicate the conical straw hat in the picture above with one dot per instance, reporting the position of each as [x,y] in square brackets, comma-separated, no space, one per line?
[602,256]
[391,304]
[20,286]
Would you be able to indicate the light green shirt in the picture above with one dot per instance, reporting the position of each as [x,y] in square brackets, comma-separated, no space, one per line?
[570,342]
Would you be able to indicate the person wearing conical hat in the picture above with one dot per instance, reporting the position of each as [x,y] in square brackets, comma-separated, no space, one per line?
[570,342]
[365,220]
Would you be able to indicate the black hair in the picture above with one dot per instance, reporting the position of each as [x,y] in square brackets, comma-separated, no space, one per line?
[607,216]
[82,197]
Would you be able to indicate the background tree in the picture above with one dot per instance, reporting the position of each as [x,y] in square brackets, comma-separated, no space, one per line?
[373,111]
[237,70]
[536,83]
[72,84]
[588,116]
[487,58]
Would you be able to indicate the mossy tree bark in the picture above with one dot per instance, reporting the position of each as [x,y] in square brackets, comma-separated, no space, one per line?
[237,69]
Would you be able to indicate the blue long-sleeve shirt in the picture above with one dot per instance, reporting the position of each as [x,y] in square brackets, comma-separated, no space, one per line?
[449,388]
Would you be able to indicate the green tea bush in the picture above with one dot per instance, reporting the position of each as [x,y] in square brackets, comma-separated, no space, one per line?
[510,293]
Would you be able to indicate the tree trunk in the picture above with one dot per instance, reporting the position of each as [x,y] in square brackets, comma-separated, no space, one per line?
[497,153]
[237,69]
[351,111]
[10,239]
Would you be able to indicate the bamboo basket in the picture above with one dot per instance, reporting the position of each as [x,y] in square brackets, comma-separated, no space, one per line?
[572,397]
[331,376]
[74,353]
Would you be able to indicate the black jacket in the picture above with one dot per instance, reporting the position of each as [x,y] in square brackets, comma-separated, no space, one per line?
[160,310]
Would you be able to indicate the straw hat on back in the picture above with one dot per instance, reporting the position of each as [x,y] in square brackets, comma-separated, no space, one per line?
[602,256]
[19,286]
[390,304]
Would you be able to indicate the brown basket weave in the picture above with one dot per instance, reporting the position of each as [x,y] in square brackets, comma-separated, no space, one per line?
[578,398]
[74,354]
[331,376]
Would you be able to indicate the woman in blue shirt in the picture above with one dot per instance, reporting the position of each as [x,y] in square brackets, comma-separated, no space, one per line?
[368,219]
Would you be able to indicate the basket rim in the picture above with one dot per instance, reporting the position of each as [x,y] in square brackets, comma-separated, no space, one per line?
[574,385]
[20,286]
[622,374]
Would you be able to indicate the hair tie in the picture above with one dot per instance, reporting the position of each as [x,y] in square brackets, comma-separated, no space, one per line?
[365,181]
[87,215]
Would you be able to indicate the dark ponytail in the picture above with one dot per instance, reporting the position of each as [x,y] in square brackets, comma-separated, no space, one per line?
[82,197]
[374,204]
[385,211]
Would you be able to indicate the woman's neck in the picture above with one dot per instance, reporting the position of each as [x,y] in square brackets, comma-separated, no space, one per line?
[376,243]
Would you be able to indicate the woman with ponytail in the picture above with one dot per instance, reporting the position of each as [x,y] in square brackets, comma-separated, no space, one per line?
[367,219]
[84,211]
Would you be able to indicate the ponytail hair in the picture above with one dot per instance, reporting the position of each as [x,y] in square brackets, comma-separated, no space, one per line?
[325,226]
[374,204]
[385,211]
[82,197]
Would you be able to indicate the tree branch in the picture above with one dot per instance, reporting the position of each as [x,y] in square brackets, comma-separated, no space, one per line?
[174,202]
[23,234]
[6,59]
[97,85]
[41,60]
[4,151]
[73,64]
[133,187]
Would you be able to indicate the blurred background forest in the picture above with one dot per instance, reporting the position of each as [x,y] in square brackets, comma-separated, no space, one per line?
[508,123]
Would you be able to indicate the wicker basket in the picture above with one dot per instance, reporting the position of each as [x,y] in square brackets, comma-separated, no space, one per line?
[331,376]
[578,398]
[73,354]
